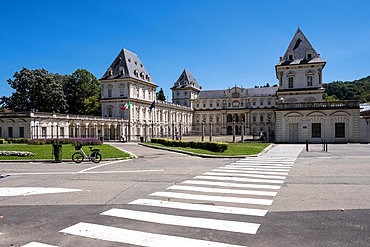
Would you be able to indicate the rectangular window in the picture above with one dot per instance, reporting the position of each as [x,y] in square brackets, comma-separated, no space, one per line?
[261,118]
[290,57]
[218,104]
[254,118]
[61,131]
[210,105]
[309,80]
[21,131]
[178,93]
[241,104]
[269,102]
[197,105]
[217,120]
[316,130]
[339,130]
[109,93]
[43,132]
[261,103]
[254,103]
[122,91]
[204,105]
[290,80]
[10,131]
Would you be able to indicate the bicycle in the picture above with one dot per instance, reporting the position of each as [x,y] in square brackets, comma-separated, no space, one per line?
[93,156]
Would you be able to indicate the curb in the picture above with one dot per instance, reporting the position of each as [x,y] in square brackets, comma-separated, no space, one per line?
[268,148]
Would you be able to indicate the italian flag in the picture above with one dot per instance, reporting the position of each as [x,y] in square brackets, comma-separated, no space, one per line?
[127,105]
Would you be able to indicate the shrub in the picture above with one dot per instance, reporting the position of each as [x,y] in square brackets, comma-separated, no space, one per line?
[73,141]
[2,141]
[211,146]
[18,140]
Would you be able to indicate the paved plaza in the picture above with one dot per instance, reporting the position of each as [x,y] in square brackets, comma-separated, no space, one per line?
[287,197]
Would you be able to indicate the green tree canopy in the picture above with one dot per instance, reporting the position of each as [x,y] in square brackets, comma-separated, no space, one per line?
[160,95]
[79,87]
[349,90]
[36,90]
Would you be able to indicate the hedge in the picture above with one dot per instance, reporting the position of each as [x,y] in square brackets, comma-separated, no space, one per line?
[73,141]
[211,146]
[18,140]
[2,141]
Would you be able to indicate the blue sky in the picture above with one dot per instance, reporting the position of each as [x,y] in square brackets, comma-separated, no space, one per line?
[222,43]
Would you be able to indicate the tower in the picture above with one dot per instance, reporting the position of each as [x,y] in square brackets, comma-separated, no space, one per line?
[299,72]
[185,89]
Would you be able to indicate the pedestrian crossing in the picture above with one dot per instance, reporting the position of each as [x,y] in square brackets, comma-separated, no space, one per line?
[210,201]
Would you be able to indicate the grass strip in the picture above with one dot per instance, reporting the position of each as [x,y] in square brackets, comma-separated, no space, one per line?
[234,149]
[45,151]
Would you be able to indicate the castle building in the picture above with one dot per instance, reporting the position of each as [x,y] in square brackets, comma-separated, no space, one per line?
[292,112]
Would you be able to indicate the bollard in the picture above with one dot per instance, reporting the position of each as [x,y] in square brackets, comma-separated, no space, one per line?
[326,142]
[307,145]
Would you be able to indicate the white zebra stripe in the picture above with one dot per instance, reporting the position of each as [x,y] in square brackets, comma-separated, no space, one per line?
[200,207]
[119,235]
[256,186]
[214,198]
[225,191]
[253,172]
[36,244]
[243,175]
[238,179]
[254,168]
[222,225]
[259,166]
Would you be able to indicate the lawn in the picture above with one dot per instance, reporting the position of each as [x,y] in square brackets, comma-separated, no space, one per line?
[233,150]
[45,151]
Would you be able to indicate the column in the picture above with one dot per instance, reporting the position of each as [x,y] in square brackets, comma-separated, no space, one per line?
[180,132]
[234,131]
[242,132]
[102,130]
[210,131]
[202,130]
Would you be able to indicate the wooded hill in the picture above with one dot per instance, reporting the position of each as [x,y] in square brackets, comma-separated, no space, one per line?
[348,90]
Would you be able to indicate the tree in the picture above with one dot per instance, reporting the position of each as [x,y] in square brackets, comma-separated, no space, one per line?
[81,86]
[92,106]
[36,90]
[160,95]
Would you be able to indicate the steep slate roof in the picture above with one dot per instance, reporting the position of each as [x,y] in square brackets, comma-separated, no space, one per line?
[300,45]
[211,94]
[130,62]
[189,78]
[252,92]
[263,91]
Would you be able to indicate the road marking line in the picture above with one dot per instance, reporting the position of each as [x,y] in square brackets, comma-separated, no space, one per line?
[254,172]
[222,225]
[26,191]
[115,234]
[36,244]
[243,175]
[225,191]
[256,186]
[214,198]
[200,207]
[250,180]
[74,173]
[254,168]
[125,171]
[88,169]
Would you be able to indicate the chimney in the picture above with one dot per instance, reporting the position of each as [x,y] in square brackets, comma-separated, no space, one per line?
[281,58]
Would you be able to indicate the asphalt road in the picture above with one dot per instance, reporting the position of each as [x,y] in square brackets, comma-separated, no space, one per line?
[323,201]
